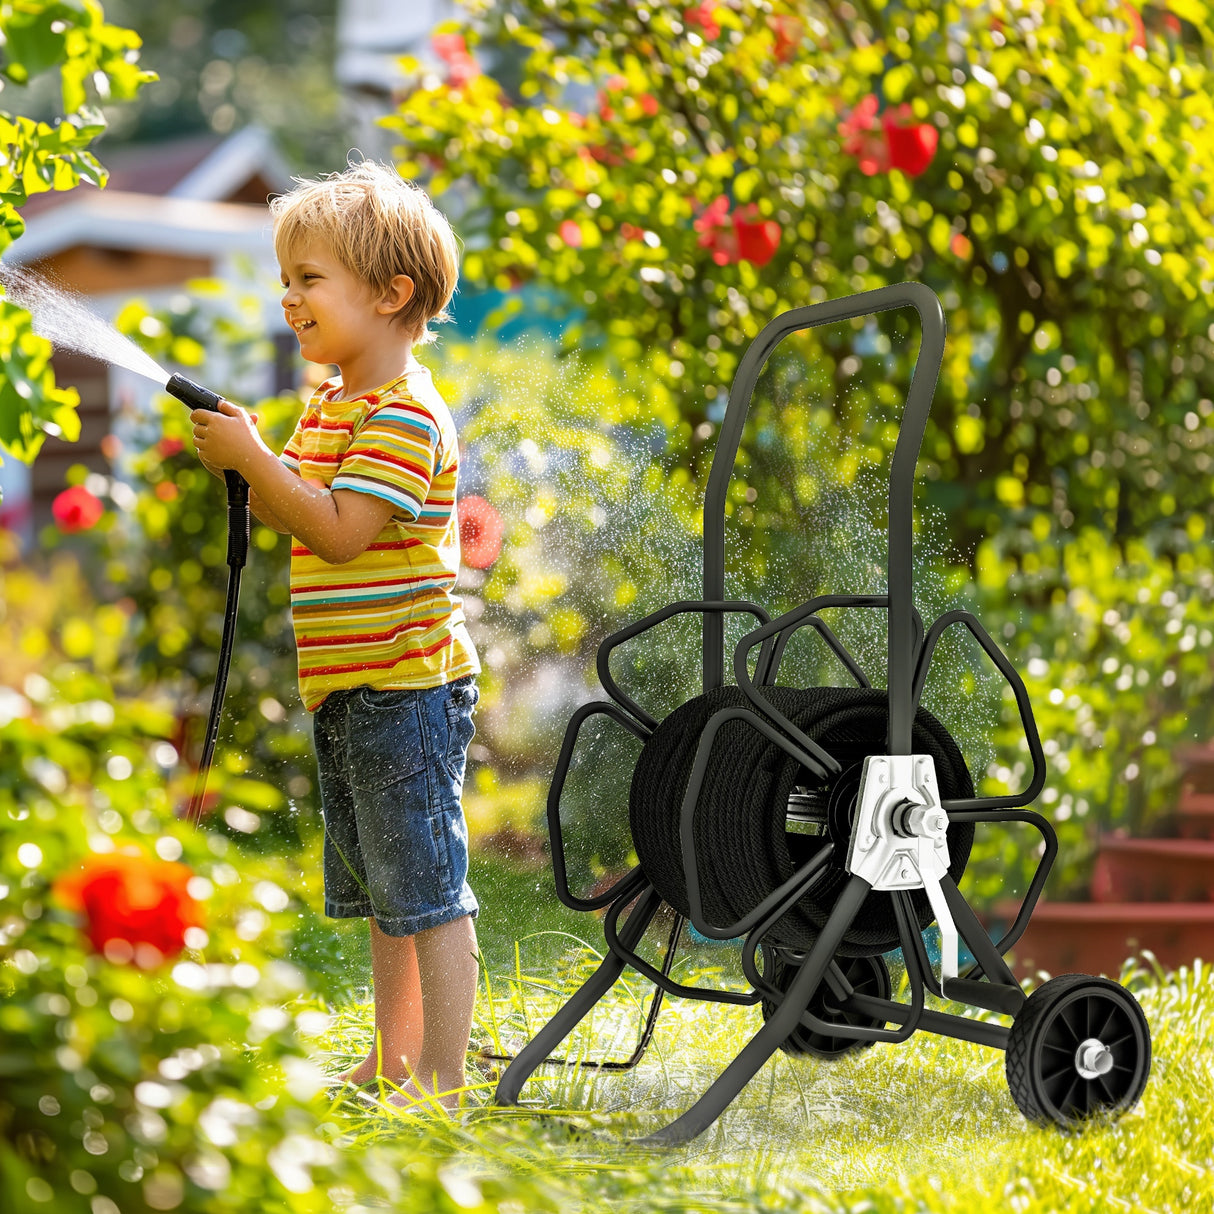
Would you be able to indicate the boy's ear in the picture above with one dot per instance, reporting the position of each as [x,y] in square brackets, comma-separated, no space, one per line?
[399,292]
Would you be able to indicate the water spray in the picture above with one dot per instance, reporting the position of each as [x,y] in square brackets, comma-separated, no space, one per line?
[65,319]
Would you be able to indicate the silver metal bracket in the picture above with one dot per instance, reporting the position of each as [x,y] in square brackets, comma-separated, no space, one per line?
[898,837]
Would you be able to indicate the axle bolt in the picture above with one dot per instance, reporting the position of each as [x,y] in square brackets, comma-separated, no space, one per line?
[913,821]
[1093,1058]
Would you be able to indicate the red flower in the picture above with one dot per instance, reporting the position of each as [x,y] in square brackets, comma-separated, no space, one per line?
[758,239]
[453,51]
[716,232]
[911,148]
[649,105]
[891,145]
[449,46]
[76,509]
[961,246]
[133,904]
[742,236]
[863,139]
[703,16]
[480,532]
[788,31]
[461,71]
[570,233]
[168,447]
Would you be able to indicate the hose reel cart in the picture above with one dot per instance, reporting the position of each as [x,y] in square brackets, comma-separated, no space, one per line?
[720,779]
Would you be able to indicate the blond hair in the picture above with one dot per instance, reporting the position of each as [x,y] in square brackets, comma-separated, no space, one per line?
[378,226]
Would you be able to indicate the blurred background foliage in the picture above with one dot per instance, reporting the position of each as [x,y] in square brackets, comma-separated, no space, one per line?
[1040,166]
[226,64]
[190,1083]
[664,181]
[1059,205]
[684,175]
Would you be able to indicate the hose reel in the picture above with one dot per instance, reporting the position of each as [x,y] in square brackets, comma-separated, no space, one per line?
[743,847]
[727,786]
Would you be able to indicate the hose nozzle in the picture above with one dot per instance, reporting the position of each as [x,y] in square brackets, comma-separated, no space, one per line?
[192,394]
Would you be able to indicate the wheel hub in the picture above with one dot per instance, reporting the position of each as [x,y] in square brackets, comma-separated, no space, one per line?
[1093,1058]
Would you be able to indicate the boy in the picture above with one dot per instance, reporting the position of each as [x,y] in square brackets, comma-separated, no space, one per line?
[366,486]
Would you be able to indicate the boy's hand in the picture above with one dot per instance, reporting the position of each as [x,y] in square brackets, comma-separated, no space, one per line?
[227,438]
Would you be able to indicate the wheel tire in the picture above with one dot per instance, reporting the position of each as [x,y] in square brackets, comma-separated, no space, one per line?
[868,976]
[1043,1051]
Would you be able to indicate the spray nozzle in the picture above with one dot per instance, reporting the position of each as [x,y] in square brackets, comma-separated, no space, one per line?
[192,394]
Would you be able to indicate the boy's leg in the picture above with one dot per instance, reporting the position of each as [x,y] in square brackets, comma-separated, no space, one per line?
[398,1009]
[447,967]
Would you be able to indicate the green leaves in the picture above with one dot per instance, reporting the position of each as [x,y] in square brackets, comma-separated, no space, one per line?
[1065,217]
[1070,182]
[76,39]
[31,405]
[37,156]
[41,156]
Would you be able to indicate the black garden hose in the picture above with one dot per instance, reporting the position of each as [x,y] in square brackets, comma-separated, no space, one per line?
[742,847]
[195,396]
[239,524]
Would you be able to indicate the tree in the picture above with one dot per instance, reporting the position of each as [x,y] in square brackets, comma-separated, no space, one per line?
[683,175]
[93,61]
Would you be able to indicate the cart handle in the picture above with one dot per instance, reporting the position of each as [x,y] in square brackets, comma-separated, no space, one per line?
[901,485]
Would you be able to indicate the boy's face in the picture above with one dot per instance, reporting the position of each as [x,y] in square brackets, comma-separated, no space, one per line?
[334,313]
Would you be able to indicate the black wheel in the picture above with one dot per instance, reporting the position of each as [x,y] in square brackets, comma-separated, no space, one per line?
[1080,1045]
[867,975]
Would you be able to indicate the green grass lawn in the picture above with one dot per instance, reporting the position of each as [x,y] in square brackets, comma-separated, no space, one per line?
[928,1125]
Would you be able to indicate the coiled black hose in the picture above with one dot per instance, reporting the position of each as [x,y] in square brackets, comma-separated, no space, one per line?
[743,850]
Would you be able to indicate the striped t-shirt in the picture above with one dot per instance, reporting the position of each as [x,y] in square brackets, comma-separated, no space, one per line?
[388,618]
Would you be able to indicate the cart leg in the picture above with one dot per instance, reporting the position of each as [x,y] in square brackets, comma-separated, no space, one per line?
[768,1039]
[588,994]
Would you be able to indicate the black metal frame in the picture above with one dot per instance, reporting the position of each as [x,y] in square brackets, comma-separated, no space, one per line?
[989,983]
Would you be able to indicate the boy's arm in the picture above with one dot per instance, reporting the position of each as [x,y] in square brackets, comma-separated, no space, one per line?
[265,515]
[335,526]
[261,511]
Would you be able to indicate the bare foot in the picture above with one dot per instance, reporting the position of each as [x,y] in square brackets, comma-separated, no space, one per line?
[415,1098]
[367,1072]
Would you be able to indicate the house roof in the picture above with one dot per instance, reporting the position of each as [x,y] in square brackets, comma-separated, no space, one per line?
[207,167]
[200,194]
[117,220]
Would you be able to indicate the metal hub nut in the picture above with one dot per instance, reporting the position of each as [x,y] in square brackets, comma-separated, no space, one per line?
[1093,1058]
[919,821]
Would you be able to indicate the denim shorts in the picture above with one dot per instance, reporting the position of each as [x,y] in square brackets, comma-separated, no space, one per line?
[391,769]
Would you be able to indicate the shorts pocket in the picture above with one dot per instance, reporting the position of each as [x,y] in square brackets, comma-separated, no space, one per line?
[460,728]
[449,832]
[386,742]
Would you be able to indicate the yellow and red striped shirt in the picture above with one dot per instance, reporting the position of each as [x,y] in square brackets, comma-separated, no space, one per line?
[388,618]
